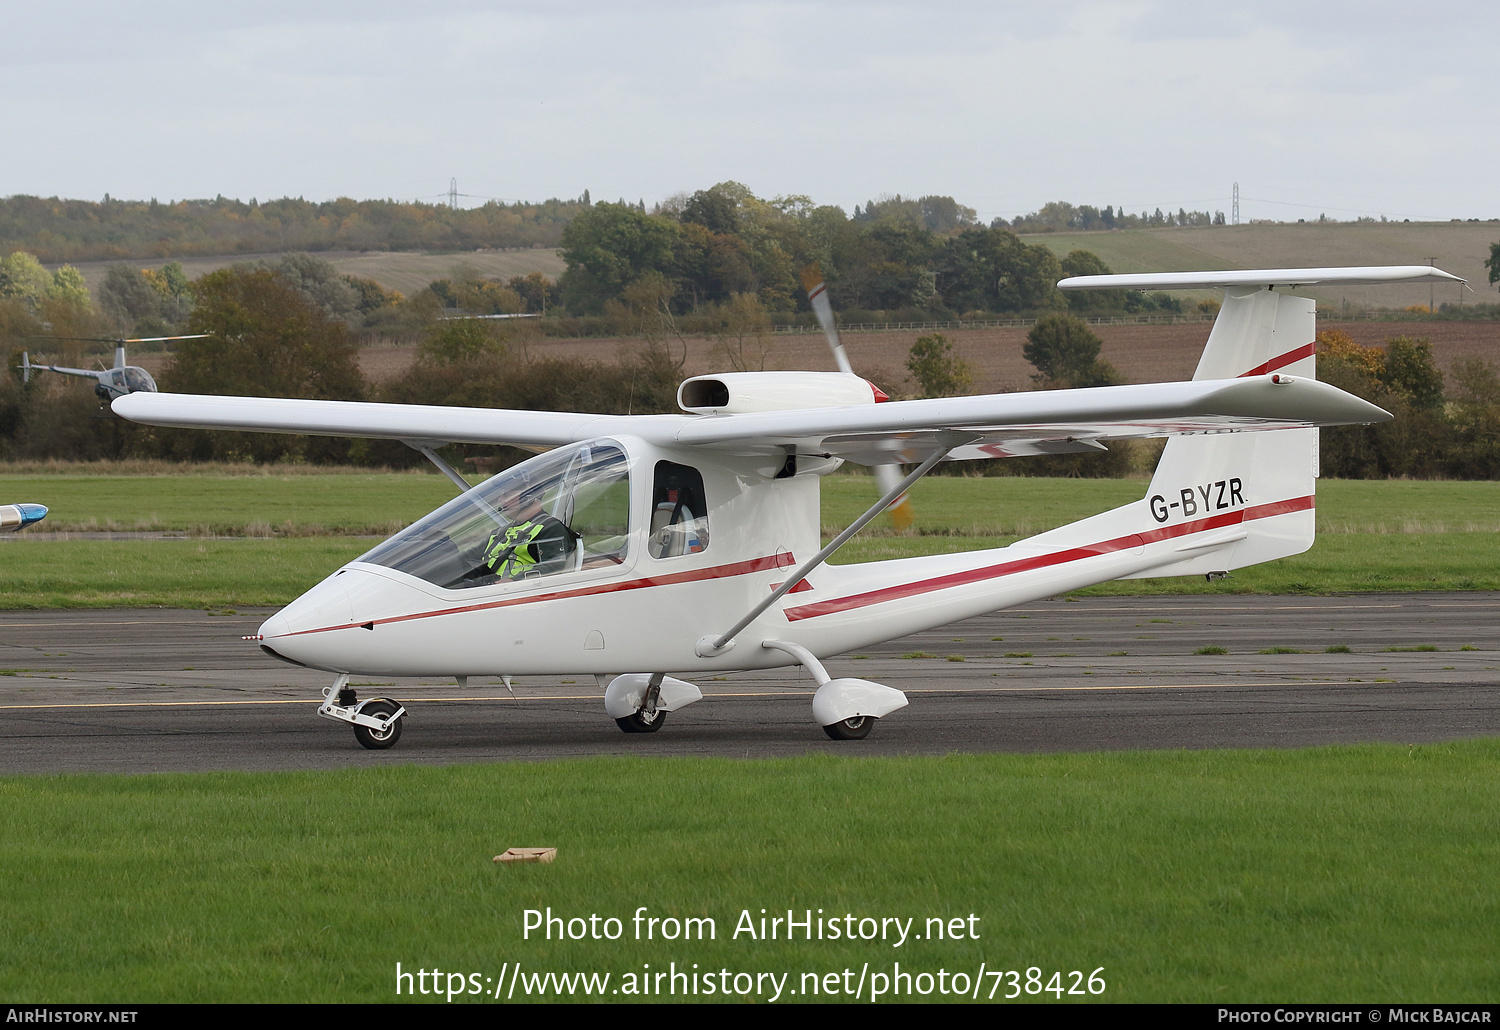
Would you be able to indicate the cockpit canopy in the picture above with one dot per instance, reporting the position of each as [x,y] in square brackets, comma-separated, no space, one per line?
[129,379]
[563,511]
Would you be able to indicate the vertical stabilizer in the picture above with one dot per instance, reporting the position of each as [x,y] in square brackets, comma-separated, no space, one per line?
[1264,482]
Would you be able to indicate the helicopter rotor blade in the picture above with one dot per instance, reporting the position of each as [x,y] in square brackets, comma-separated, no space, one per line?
[118,340]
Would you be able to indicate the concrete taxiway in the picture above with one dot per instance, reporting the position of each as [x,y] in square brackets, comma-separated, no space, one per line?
[167,690]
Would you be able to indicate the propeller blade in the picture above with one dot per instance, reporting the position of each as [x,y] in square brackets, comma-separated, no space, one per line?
[817,296]
[887,477]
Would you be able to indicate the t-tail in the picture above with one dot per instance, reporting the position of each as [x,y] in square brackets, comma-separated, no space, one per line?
[1223,501]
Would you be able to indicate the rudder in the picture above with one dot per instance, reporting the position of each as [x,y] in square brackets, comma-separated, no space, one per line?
[1262,483]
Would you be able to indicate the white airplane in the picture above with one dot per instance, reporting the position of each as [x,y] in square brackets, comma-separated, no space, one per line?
[689,544]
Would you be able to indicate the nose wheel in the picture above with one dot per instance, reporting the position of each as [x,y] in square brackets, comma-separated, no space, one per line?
[376,721]
[379,738]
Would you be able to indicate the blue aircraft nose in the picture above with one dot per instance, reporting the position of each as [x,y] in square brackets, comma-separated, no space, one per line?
[19,516]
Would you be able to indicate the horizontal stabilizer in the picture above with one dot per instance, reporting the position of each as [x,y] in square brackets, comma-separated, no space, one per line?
[1368,275]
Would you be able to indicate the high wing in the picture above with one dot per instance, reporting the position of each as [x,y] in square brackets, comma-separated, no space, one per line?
[414,423]
[994,425]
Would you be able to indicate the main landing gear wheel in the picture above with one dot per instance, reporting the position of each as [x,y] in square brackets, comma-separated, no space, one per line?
[640,722]
[857,728]
[379,740]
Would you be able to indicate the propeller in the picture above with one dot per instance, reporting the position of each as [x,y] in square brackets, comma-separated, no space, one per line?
[887,477]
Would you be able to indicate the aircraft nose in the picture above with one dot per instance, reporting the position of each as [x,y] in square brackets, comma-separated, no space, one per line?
[290,633]
[325,606]
[325,627]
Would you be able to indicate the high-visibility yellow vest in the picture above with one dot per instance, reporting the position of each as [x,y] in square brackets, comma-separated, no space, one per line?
[509,554]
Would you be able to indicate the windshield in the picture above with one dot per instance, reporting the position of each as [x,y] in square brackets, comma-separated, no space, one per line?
[565,511]
[137,379]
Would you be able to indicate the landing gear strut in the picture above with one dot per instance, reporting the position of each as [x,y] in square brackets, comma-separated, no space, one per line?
[376,720]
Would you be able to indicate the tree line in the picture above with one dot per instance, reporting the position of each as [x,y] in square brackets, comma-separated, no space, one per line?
[293,327]
[904,260]
[56,230]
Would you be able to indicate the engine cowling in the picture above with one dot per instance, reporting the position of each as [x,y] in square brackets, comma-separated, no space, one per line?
[737,393]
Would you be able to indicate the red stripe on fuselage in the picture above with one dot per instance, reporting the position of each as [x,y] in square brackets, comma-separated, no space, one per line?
[1282,360]
[1041,561]
[776,561]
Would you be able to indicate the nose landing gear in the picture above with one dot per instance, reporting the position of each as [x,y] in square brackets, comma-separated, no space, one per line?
[376,720]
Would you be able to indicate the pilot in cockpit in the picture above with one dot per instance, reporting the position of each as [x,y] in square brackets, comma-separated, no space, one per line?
[534,543]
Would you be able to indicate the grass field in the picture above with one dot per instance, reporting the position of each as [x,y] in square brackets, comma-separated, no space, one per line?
[1218,876]
[298,528]
[1317,875]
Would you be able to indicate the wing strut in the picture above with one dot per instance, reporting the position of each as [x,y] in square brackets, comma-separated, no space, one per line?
[710,646]
[425,446]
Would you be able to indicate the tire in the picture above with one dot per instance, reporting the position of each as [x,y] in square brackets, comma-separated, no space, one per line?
[857,728]
[639,723]
[374,739]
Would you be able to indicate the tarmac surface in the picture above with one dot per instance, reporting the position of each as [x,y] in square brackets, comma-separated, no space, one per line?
[170,690]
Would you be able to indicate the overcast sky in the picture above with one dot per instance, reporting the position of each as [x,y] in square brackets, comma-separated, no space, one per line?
[1364,108]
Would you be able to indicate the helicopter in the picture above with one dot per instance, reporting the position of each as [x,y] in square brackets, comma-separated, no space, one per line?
[109,383]
[688,545]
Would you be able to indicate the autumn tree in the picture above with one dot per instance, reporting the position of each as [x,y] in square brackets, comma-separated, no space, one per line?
[1475,417]
[608,247]
[992,270]
[1401,377]
[23,278]
[938,371]
[266,339]
[1066,354]
[1086,262]
[536,291]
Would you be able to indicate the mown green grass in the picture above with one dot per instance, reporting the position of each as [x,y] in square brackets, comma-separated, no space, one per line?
[1313,875]
[297,502]
[1403,535]
[190,573]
